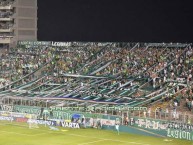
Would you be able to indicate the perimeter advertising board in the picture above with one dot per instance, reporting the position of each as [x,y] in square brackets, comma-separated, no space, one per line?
[165,128]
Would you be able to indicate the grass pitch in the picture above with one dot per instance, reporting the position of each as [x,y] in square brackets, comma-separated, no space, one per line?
[20,134]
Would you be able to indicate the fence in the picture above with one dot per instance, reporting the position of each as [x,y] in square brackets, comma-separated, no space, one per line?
[170,115]
[124,115]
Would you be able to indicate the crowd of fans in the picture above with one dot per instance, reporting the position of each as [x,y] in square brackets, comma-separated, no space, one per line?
[19,63]
[23,61]
[129,75]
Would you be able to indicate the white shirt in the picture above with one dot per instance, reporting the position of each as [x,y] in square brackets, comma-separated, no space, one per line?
[175,104]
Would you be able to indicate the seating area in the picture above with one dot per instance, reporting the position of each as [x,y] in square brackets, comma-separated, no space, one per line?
[109,74]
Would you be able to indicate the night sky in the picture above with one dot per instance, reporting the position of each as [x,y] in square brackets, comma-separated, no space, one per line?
[115,20]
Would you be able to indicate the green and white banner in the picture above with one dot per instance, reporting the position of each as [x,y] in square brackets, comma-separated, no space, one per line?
[164,128]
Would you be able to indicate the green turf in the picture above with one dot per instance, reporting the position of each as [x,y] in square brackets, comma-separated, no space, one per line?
[20,134]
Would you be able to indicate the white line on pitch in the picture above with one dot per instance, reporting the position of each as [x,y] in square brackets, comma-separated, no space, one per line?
[85,136]
[109,139]
[15,133]
[91,142]
[21,133]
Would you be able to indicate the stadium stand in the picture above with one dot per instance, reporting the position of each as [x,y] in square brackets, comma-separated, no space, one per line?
[109,74]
